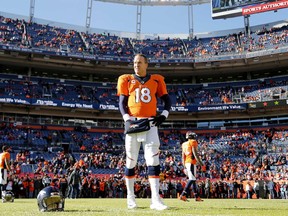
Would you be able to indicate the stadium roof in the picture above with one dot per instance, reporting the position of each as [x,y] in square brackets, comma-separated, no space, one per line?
[158,2]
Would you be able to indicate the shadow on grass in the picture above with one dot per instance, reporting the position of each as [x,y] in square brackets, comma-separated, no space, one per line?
[88,210]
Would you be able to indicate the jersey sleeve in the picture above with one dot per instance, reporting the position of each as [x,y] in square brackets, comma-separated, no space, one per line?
[161,90]
[194,144]
[122,85]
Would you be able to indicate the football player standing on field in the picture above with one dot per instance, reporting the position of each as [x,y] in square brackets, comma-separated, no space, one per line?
[4,167]
[190,158]
[138,94]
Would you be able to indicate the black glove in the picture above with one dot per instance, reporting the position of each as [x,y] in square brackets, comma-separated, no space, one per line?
[158,120]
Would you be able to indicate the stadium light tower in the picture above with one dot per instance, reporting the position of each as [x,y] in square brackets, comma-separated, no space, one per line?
[88,16]
[140,3]
[32,9]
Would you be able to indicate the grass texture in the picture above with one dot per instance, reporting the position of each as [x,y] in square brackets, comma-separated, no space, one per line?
[115,207]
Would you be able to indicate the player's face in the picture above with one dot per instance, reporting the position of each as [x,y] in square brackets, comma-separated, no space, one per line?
[140,66]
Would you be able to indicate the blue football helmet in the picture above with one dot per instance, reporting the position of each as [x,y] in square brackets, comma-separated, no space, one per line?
[49,199]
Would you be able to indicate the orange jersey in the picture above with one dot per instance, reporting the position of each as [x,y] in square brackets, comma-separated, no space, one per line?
[187,153]
[4,156]
[102,186]
[142,94]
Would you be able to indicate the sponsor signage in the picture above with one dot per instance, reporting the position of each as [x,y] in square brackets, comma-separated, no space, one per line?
[13,100]
[228,9]
[264,104]
[264,7]
[79,105]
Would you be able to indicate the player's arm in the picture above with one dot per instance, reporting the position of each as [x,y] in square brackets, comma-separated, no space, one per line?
[167,106]
[123,101]
[7,163]
[183,162]
[195,153]
[183,158]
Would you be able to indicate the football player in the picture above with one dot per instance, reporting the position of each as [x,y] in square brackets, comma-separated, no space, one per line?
[138,95]
[4,167]
[190,158]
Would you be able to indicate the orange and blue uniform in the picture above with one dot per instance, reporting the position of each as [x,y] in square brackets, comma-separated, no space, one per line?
[189,161]
[138,96]
[3,157]
[187,151]
[142,93]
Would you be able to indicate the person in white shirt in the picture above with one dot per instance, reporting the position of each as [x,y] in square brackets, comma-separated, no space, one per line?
[248,190]
[256,188]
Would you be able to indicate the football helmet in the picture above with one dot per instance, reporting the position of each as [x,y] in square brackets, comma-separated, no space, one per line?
[7,196]
[49,199]
[191,135]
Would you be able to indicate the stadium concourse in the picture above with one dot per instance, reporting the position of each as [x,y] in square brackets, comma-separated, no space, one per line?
[44,122]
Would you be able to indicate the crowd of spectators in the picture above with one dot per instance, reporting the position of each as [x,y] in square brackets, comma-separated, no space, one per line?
[33,35]
[181,95]
[11,32]
[232,160]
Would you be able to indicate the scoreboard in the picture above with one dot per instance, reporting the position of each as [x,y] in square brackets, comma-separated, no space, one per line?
[231,8]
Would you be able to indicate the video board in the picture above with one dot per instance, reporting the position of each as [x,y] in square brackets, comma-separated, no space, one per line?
[231,8]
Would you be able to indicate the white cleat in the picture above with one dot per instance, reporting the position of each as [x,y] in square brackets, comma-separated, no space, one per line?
[158,205]
[131,202]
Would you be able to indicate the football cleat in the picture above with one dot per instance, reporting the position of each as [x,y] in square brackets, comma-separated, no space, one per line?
[183,198]
[198,199]
[158,205]
[131,202]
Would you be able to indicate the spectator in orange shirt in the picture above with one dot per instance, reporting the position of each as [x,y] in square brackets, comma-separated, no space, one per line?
[102,188]
[31,188]
[25,183]
[83,148]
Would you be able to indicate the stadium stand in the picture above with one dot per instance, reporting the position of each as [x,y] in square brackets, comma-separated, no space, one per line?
[237,155]
[45,37]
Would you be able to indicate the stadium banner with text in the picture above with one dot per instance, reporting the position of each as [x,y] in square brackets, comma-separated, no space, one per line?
[81,105]
[202,108]
[212,60]
[264,7]
[108,107]
[14,100]
[60,103]
[224,107]
[44,102]
[264,104]
[232,8]
[180,108]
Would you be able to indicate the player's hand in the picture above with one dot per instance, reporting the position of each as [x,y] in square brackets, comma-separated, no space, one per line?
[158,120]
[127,117]
[127,125]
[185,171]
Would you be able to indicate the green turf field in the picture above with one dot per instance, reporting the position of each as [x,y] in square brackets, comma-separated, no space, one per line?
[113,207]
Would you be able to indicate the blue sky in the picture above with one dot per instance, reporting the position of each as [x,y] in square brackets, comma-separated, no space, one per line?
[167,19]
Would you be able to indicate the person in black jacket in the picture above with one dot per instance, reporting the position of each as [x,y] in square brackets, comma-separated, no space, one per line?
[63,185]
[75,181]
